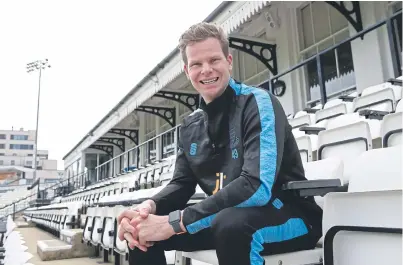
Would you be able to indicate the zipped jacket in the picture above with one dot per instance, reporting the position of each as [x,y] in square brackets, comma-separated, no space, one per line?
[240,150]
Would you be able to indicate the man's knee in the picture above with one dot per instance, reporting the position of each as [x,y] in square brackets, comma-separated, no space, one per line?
[229,222]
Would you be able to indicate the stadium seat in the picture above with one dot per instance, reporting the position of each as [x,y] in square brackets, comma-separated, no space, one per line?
[382,97]
[391,127]
[364,225]
[345,138]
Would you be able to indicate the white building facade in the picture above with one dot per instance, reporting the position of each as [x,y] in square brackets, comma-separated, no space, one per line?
[267,39]
[17,149]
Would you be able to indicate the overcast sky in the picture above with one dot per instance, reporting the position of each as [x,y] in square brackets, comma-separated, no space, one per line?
[98,50]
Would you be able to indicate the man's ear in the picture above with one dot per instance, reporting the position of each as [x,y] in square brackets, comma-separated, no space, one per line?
[229,59]
[186,70]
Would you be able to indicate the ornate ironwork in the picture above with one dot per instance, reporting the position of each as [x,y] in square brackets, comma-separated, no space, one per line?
[356,21]
[249,46]
[106,148]
[167,114]
[132,134]
[189,100]
[119,142]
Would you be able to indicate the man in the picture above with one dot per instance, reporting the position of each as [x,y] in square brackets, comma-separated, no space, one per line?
[240,149]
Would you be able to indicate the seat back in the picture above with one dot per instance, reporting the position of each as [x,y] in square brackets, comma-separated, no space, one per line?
[304,120]
[305,148]
[382,100]
[89,223]
[346,141]
[330,168]
[373,203]
[119,246]
[330,112]
[108,228]
[377,170]
[98,223]
[391,129]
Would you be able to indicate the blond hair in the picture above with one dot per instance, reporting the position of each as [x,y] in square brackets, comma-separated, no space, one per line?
[200,32]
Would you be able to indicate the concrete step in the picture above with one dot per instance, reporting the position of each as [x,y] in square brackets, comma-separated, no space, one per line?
[67,247]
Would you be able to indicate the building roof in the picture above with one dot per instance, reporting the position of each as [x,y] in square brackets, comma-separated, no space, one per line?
[152,73]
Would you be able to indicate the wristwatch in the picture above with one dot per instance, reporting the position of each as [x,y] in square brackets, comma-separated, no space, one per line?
[174,220]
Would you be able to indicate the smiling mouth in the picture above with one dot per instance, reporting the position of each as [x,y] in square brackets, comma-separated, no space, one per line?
[210,81]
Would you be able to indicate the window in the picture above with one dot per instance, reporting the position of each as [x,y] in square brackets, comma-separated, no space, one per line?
[2,136]
[322,26]
[19,137]
[12,162]
[396,6]
[2,154]
[251,70]
[29,163]
[2,146]
[22,146]
[30,155]
[1,162]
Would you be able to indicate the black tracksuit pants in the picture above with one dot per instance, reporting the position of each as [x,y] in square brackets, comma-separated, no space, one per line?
[240,236]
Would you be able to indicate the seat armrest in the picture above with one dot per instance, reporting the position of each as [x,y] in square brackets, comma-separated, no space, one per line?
[395,81]
[347,98]
[373,114]
[318,187]
[311,130]
[310,111]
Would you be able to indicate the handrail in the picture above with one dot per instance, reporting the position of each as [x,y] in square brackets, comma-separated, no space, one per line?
[58,184]
[137,146]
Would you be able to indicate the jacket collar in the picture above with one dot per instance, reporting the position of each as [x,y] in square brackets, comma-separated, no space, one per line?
[219,104]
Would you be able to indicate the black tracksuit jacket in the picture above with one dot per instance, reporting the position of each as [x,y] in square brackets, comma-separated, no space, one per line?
[240,150]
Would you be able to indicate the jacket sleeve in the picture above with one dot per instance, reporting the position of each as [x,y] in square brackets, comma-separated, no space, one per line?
[179,190]
[263,140]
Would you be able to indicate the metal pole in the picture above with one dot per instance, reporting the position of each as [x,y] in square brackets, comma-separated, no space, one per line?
[36,132]
[321,80]
[393,48]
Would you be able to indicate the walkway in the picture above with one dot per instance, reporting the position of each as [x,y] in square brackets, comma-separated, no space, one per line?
[32,234]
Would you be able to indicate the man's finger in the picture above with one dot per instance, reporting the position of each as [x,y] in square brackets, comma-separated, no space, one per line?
[125,227]
[144,211]
[130,240]
[129,213]
[149,244]
[136,221]
[141,247]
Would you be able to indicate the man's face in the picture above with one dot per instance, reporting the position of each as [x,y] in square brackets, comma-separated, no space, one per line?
[208,68]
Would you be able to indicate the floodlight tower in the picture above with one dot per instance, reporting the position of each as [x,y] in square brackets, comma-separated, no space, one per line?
[38,65]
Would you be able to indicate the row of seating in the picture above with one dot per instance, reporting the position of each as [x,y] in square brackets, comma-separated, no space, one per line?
[332,167]
[360,226]
[381,97]
[12,249]
[337,128]
[55,217]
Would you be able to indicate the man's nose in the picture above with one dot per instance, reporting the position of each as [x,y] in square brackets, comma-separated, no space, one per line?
[206,69]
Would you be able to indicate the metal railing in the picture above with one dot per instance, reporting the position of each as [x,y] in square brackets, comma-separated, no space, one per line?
[395,50]
[43,195]
[155,149]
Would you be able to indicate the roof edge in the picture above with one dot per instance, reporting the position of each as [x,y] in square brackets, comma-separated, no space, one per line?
[160,65]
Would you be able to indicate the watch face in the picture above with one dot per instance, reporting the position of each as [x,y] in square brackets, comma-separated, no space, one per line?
[174,216]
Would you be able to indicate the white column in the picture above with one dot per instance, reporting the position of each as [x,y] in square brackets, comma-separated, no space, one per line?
[158,144]
[367,53]
[142,135]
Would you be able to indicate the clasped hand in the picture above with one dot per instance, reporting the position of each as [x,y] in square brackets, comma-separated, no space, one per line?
[140,228]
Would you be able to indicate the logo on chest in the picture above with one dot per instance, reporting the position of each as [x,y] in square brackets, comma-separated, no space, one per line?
[193,149]
[219,182]
[234,141]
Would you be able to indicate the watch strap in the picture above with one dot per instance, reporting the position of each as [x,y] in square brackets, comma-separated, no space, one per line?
[175,220]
